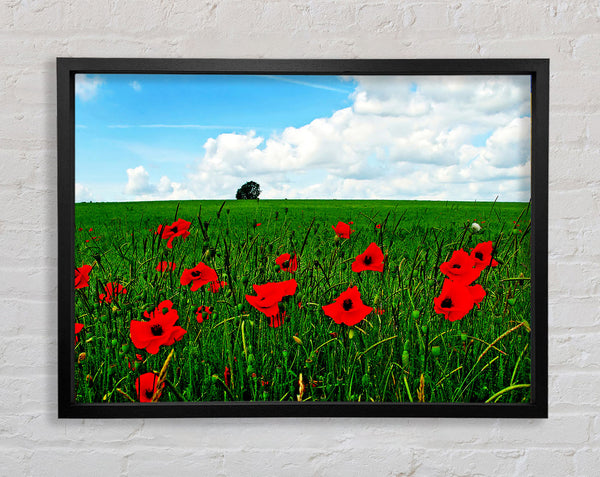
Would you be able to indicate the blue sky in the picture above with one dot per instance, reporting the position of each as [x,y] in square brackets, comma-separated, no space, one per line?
[153,137]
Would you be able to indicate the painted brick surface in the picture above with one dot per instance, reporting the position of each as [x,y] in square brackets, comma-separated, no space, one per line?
[33,442]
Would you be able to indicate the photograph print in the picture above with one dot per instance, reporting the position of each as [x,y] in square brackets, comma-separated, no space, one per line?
[268,238]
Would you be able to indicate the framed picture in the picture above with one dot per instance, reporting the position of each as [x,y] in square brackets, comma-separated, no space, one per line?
[350,238]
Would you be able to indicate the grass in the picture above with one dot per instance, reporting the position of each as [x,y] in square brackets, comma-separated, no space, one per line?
[405,353]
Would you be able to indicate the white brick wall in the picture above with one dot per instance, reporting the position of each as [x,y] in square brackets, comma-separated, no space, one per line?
[33,442]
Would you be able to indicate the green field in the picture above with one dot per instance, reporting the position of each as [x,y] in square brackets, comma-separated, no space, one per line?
[403,351]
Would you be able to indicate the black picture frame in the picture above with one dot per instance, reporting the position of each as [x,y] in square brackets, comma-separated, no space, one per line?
[538,69]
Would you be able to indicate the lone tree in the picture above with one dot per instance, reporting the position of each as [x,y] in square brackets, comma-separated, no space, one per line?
[250,190]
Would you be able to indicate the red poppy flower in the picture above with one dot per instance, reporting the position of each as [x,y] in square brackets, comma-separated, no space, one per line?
[200,275]
[80,229]
[160,330]
[78,328]
[287,263]
[202,313]
[217,285]
[164,266]
[258,224]
[347,308]
[145,386]
[82,276]
[460,268]
[482,255]
[378,226]
[371,259]
[91,229]
[456,300]
[268,297]
[342,230]
[227,376]
[111,292]
[179,228]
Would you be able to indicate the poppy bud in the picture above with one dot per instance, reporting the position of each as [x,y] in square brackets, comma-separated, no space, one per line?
[285,354]
[415,314]
[376,300]
[405,358]
[125,347]
[114,309]
[435,351]
[424,328]
[114,342]
[365,380]
[240,307]
[297,340]
[351,334]
[336,240]
[214,315]
[89,379]
[265,396]
[81,357]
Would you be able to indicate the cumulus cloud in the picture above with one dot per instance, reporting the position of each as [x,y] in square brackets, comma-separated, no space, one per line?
[82,193]
[457,138]
[86,87]
[139,186]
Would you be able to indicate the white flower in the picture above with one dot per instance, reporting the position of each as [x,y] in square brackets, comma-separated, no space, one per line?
[475,227]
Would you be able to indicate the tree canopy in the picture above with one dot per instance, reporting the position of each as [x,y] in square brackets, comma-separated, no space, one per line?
[250,190]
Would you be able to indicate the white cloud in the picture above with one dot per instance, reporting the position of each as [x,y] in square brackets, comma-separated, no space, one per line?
[82,193]
[86,87]
[139,186]
[136,86]
[138,181]
[461,138]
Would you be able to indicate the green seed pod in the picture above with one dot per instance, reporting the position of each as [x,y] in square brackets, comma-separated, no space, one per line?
[240,307]
[424,329]
[511,301]
[435,351]
[415,314]
[114,342]
[125,347]
[405,359]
